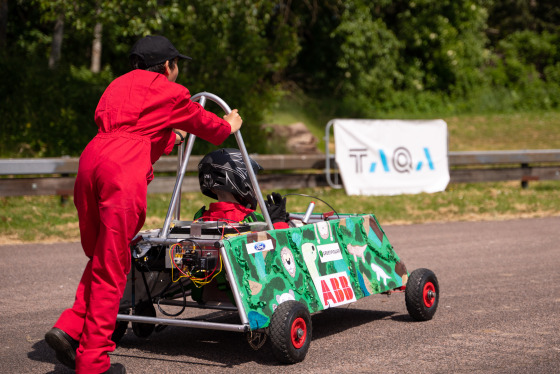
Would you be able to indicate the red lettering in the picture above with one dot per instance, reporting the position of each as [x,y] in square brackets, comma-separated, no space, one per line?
[346,288]
[327,295]
[337,291]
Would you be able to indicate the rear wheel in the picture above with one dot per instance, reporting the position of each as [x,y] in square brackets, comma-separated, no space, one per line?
[144,309]
[120,331]
[120,328]
[290,332]
[422,294]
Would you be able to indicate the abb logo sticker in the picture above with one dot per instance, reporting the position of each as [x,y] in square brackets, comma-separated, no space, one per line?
[335,290]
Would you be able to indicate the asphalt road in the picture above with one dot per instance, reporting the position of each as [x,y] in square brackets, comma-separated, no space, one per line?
[499,311]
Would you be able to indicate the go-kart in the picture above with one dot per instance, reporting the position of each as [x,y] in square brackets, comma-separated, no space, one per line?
[273,278]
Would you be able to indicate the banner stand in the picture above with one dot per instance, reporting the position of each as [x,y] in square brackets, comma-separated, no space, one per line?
[328,158]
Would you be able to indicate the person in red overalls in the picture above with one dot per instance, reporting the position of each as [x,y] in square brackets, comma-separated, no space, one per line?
[136,117]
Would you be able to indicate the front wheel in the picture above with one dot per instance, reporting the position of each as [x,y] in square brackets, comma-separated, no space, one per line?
[422,294]
[290,332]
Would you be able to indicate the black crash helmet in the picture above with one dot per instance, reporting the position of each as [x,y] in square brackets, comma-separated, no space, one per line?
[225,170]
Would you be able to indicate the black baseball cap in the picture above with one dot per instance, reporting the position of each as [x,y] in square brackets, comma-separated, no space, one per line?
[155,49]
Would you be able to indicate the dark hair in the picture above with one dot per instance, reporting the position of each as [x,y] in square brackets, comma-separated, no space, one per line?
[136,62]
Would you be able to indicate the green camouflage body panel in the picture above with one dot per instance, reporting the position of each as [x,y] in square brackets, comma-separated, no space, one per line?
[321,265]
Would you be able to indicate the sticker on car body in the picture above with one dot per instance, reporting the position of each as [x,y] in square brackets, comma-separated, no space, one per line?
[257,247]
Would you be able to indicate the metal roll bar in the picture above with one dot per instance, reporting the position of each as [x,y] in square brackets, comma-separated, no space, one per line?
[174,204]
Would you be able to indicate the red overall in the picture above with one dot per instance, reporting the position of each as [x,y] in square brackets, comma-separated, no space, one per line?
[135,117]
[232,212]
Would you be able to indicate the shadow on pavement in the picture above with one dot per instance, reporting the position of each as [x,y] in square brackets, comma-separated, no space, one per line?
[224,349]
[43,353]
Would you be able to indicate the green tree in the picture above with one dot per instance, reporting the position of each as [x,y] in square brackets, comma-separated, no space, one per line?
[368,58]
[366,54]
[237,46]
[356,57]
[524,39]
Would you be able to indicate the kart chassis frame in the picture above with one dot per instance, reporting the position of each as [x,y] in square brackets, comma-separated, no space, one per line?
[163,237]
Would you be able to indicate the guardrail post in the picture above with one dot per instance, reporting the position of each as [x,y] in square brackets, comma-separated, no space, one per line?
[526,177]
[524,182]
[64,197]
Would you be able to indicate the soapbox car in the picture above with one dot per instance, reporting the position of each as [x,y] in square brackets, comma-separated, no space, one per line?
[273,278]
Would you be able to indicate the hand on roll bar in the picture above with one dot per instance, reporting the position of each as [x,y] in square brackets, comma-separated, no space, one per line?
[234,120]
[180,136]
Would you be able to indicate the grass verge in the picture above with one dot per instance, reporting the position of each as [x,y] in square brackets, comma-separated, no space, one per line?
[45,219]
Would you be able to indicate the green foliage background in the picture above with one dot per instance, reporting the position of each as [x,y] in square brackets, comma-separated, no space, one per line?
[346,58]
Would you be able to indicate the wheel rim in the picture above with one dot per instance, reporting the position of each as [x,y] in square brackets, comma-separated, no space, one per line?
[429,294]
[298,332]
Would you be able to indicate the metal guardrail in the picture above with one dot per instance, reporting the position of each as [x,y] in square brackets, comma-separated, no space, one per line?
[55,176]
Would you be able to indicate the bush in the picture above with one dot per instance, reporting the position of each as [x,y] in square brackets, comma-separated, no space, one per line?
[47,113]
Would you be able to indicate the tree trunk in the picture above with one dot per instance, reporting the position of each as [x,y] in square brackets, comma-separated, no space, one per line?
[3,22]
[96,48]
[56,46]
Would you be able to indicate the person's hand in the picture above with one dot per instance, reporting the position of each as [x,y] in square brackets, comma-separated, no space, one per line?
[234,120]
[180,136]
[276,206]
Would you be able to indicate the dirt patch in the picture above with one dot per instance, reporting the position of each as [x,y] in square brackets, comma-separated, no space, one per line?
[296,137]
[11,239]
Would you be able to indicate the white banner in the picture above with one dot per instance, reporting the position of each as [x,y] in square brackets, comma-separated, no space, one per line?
[390,157]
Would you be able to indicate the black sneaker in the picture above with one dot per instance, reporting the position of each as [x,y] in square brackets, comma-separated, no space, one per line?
[64,346]
[115,369]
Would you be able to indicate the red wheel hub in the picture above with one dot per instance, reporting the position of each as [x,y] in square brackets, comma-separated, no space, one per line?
[429,294]
[298,332]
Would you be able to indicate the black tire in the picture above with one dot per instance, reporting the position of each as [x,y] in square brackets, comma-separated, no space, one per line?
[290,332]
[422,294]
[145,309]
[120,327]
[120,330]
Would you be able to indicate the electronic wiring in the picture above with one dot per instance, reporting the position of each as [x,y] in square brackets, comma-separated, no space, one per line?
[196,280]
[313,197]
